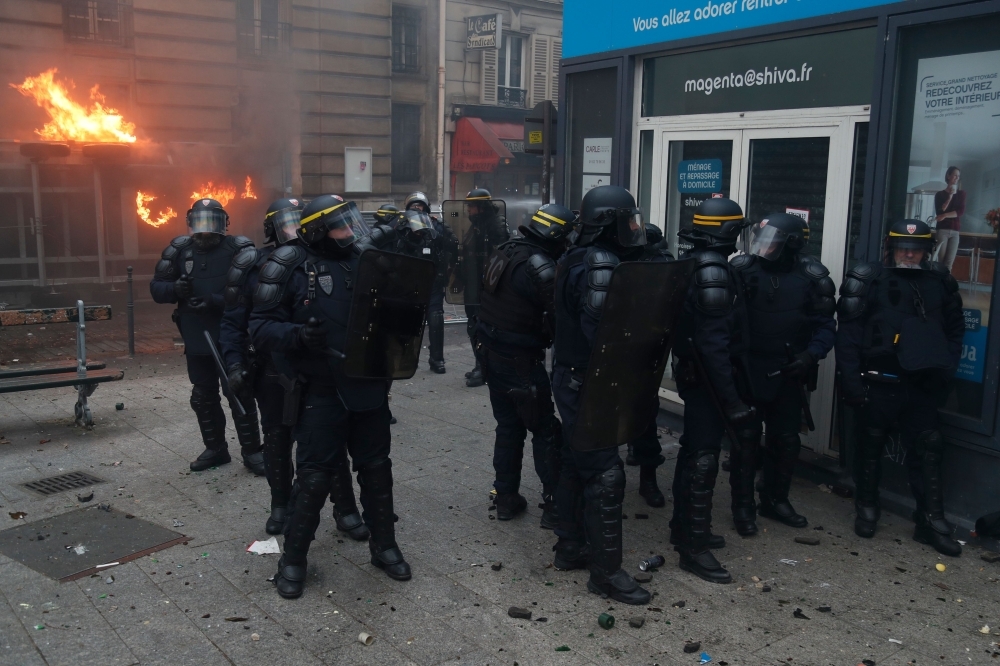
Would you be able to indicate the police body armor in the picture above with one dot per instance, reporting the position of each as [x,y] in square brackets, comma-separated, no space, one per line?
[571,347]
[476,242]
[501,307]
[207,272]
[244,264]
[779,305]
[899,298]
[330,287]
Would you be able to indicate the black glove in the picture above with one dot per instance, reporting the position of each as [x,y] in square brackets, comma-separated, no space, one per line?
[799,368]
[238,378]
[739,413]
[183,288]
[199,306]
[312,336]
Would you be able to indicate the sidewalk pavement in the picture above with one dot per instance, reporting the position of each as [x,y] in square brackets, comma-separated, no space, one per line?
[841,602]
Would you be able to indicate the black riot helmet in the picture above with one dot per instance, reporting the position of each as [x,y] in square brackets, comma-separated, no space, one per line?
[386,214]
[480,206]
[776,235]
[654,237]
[609,211]
[281,221]
[418,199]
[207,216]
[328,221]
[717,223]
[415,225]
[551,224]
[909,244]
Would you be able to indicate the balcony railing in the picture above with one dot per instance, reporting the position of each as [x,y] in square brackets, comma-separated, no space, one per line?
[98,21]
[262,39]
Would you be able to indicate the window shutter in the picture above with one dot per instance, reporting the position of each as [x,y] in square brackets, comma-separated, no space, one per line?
[538,86]
[556,57]
[488,77]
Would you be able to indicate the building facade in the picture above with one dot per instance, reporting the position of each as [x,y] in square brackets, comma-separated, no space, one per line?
[849,113]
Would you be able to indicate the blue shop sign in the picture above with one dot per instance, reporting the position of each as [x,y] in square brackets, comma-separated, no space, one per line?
[595,26]
[970,367]
[704,176]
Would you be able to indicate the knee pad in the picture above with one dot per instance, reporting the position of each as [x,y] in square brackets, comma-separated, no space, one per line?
[313,488]
[375,476]
[203,397]
[705,465]
[609,484]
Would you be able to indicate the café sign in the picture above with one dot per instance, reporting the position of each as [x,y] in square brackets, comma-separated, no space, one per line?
[483,32]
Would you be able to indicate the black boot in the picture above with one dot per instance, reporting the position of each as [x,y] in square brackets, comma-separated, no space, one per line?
[648,488]
[932,528]
[779,465]
[248,434]
[435,339]
[212,423]
[550,514]
[509,505]
[602,519]
[476,379]
[867,475]
[507,457]
[308,497]
[345,509]
[571,549]
[376,498]
[715,541]
[630,457]
[570,555]
[698,484]
[742,472]
[278,468]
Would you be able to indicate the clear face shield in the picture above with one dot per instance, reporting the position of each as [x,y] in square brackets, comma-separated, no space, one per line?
[207,221]
[631,230]
[286,224]
[336,223]
[417,224]
[907,253]
[766,242]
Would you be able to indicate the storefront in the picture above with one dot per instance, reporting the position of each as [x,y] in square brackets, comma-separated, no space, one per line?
[848,113]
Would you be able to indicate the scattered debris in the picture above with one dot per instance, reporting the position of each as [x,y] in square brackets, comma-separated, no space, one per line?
[80,550]
[562,648]
[606,620]
[519,613]
[17,515]
[941,586]
[255,637]
[104,507]
[39,627]
[867,662]
[119,406]
[897,642]
[940,567]
[790,563]
[178,523]
[269,547]
[365,638]
[691,648]
[705,658]
[652,563]
[237,619]
[679,604]
[766,588]
[636,622]
[109,580]
[808,541]
[987,555]
[824,609]
[985,629]
[496,566]
[799,615]
[643,577]
[44,441]
[642,516]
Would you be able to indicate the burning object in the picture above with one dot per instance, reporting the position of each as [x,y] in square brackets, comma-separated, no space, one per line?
[141,199]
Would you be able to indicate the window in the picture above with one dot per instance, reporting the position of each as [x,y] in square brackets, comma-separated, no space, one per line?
[405,39]
[510,59]
[259,30]
[405,143]
[98,21]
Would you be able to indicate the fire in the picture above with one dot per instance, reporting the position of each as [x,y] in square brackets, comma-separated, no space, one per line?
[70,120]
[141,199]
[221,193]
[248,192]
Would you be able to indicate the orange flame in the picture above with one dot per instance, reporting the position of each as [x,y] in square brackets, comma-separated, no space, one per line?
[71,121]
[141,199]
[221,193]
[248,192]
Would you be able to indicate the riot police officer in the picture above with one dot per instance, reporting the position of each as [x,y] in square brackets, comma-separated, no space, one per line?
[790,303]
[516,321]
[591,484]
[301,307]
[443,253]
[254,376]
[706,340]
[488,231]
[192,273]
[646,451]
[899,342]
[386,215]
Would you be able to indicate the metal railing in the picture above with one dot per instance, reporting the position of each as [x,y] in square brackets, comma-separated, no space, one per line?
[98,22]
[261,39]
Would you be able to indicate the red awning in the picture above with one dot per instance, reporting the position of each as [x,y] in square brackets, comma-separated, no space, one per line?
[476,146]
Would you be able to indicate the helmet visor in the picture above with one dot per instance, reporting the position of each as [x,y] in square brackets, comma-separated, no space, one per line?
[631,230]
[418,223]
[338,222]
[207,221]
[286,224]
[904,252]
[767,242]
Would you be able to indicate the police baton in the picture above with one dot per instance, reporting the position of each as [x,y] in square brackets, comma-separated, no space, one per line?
[223,375]
[711,391]
[803,397]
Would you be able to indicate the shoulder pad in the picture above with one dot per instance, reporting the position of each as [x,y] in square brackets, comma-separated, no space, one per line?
[239,242]
[708,258]
[244,260]
[813,268]
[166,269]
[825,298]
[288,255]
[275,274]
[712,285]
[742,261]
[175,247]
[941,271]
[865,272]
[601,259]
[854,291]
[541,270]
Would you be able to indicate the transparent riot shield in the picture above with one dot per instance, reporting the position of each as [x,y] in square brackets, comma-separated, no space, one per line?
[633,341]
[388,309]
[479,232]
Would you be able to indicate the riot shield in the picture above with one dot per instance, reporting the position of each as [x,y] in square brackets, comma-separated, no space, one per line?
[476,241]
[388,309]
[641,311]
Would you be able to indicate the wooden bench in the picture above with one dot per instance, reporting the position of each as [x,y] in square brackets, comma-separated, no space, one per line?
[84,376]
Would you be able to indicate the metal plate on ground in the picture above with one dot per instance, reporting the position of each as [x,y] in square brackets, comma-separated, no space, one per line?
[60,484]
[84,542]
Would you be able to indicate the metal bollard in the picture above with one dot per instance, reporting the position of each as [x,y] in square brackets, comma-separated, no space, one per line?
[131,317]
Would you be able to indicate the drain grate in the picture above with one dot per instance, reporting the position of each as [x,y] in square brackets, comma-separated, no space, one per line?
[62,483]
